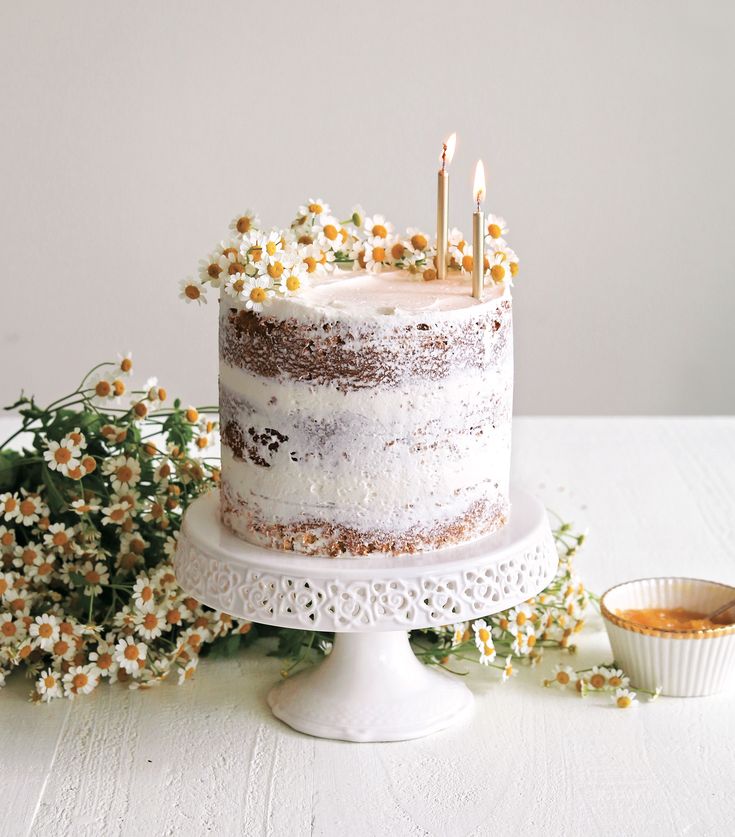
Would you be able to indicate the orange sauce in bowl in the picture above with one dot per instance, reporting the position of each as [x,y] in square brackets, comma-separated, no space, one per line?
[669,619]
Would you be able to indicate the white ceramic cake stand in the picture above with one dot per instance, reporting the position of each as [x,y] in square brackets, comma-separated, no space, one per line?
[371,687]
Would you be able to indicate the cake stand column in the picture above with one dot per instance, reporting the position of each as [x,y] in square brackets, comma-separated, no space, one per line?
[371,687]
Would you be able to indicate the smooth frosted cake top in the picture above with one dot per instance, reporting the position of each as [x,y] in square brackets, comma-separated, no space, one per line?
[361,295]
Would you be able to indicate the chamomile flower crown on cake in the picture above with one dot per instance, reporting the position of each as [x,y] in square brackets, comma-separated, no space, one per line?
[255,265]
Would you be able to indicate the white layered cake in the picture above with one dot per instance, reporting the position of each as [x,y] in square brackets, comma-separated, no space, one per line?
[370,413]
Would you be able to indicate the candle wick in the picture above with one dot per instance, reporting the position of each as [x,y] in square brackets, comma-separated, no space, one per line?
[444,156]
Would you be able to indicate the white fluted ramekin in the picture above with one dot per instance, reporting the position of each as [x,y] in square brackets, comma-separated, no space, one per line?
[680,663]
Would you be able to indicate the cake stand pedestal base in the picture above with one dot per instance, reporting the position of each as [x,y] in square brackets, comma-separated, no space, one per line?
[371,688]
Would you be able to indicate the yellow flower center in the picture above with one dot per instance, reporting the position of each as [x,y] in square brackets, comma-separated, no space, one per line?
[597,681]
[494,231]
[310,263]
[275,270]
[49,681]
[238,285]
[62,455]
[514,268]
[131,652]
[562,677]
[316,208]
[270,248]
[497,271]
[419,241]
[293,283]
[257,295]
[243,224]
[234,268]
[27,507]
[397,250]
[213,271]
[102,389]
[150,621]
[484,635]
[229,252]
[193,292]
[623,702]
[104,661]
[467,262]
[192,415]
[331,232]
[45,630]
[256,253]
[124,473]
[379,254]
[379,231]
[80,681]
[521,619]
[60,539]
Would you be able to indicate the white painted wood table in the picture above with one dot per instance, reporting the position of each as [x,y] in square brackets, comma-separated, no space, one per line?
[658,496]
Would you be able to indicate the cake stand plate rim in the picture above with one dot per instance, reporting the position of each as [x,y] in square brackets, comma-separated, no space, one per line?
[399,594]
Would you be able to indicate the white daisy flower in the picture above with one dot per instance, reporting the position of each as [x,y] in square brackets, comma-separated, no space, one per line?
[82,506]
[563,676]
[616,679]
[258,292]
[187,672]
[80,680]
[44,631]
[597,678]
[124,470]
[192,291]
[116,514]
[9,504]
[519,619]
[95,575]
[315,259]
[461,633]
[49,686]
[294,280]
[508,670]
[624,698]
[499,267]
[103,657]
[245,222]
[313,210]
[330,235]
[131,655]
[496,227]
[377,227]
[7,540]
[375,254]
[144,593]
[12,629]
[418,239]
[213,269]
[484,641]
[29,555]
[150,624]
[62,456]
[58,536]
[235,286]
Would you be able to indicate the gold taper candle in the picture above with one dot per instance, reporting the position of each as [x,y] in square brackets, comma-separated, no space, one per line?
[478,233]
[442,208]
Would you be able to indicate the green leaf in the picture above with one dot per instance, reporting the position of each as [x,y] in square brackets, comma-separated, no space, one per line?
[53,495]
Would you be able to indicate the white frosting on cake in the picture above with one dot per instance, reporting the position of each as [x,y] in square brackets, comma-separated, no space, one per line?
[388,297]
[371,412]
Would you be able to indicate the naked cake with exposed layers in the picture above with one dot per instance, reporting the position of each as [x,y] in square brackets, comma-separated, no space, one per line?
[363,410]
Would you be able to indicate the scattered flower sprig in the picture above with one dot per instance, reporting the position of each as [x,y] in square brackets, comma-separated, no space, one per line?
[254,266]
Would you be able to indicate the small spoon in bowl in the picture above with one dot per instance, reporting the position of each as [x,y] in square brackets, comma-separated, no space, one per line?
[722,615]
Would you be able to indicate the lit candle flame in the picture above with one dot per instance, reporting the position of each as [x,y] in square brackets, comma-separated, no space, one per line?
[448,150]
[479,187]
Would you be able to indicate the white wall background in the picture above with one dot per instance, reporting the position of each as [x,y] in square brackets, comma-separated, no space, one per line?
[132,132]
